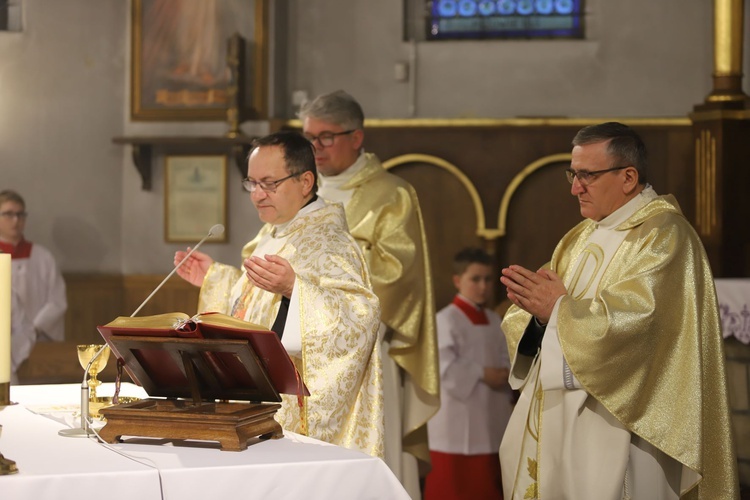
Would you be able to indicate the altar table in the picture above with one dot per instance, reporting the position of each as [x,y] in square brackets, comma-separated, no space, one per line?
[55,467]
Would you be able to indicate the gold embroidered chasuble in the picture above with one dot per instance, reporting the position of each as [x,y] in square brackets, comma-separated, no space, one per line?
[338,318]
[384,217]
[643,350]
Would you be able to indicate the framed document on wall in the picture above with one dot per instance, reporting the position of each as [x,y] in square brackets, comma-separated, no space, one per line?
[179,60]
[195,197]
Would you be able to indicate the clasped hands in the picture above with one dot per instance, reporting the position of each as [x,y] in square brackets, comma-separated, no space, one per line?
[272,273]
[534,292]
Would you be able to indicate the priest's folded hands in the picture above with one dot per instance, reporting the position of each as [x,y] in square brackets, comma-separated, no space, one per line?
[534,292]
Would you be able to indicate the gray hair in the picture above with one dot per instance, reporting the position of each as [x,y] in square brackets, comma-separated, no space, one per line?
[337,107]
[625,146]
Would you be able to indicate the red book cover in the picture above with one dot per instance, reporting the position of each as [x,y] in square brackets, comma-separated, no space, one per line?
[229,371]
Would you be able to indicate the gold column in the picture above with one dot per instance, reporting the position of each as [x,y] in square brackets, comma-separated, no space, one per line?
[728,36]
[721,125]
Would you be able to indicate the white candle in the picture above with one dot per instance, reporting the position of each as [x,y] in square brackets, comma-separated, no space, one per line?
[5,318]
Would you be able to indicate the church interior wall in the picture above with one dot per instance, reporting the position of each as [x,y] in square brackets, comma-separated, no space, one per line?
[64,94]
[640,58]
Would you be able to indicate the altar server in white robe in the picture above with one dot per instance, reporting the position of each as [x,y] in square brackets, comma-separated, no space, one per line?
[616,347]
[305,278]
[39,300]
[475,396]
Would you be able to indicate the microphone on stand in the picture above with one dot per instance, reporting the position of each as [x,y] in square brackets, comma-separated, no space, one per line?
[215,230]
[84,430]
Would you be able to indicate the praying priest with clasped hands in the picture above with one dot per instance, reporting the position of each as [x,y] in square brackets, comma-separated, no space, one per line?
[616,347]
[304,277]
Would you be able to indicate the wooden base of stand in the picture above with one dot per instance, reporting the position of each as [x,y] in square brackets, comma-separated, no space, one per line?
[231,424]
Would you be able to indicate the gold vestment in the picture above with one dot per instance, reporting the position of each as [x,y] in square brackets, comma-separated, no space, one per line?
[648,346]
[384,217]
[339,318]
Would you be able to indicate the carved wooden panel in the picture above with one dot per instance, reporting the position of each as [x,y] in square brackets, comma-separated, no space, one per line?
[492,157]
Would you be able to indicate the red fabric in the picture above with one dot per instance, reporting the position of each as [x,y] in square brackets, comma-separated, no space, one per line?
[460,477]
[476,315]
[20,251]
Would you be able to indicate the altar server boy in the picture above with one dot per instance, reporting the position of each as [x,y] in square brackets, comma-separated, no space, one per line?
[465,434]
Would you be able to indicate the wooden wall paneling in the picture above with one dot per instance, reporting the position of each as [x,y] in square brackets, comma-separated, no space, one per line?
[679,165]
[540,212]
[93,299]
[450,220]
[671,162]
[490,156]
[176,295]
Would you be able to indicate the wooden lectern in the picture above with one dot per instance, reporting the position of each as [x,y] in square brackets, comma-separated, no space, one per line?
[191,374]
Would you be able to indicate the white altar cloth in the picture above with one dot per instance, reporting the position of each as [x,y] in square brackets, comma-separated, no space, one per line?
[294,467]
[734,305]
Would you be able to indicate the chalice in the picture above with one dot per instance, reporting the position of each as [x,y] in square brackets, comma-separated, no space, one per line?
[85,353]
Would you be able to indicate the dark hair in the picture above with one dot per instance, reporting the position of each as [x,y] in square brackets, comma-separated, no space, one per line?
[299,154]
[625,146]
[10,195]
[468,256]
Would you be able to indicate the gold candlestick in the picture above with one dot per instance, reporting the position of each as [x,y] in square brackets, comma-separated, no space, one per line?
[7,466]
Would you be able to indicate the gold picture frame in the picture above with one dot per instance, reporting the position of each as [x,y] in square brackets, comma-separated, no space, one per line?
[195,197]
[179,59]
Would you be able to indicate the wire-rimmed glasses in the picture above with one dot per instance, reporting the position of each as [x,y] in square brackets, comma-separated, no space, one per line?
[267,186]
[585,177]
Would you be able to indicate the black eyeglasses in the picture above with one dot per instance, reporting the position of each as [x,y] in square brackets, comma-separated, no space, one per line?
[585,177]
[11,215]
[267,186]
[326,139]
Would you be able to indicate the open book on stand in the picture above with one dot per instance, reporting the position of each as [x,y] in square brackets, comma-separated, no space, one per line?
[227,358]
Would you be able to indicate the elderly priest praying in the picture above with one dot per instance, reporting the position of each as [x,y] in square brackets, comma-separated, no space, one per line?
[305,278]
[616,347]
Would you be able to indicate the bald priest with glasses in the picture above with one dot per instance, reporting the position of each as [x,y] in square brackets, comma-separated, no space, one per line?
[616,347]
[305,278]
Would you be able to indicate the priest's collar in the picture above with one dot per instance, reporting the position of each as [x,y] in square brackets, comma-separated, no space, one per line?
[336,181]
[314,204]
[624,212]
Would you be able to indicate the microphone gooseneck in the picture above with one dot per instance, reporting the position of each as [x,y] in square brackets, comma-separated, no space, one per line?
[216,230]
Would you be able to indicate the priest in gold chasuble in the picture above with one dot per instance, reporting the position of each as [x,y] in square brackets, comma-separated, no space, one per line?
[383,214]
[616,347]
[305,278]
